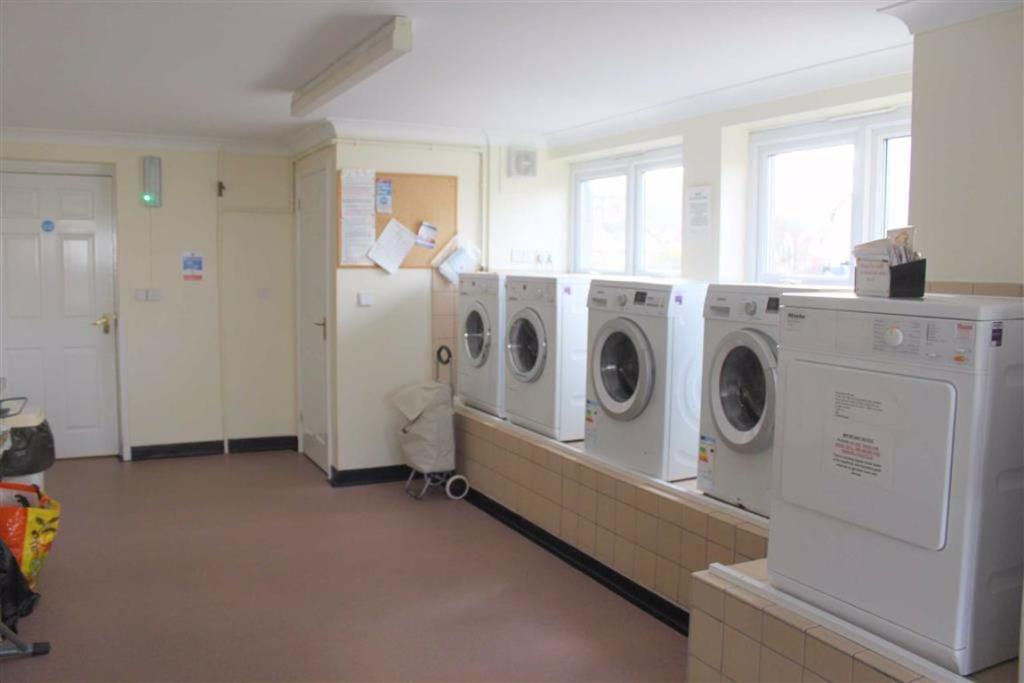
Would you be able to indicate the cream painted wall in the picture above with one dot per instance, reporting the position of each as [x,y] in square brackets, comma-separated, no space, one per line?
[257,296]
[715,149]
[967,179]
[172,347]
[387,346]
[530,215]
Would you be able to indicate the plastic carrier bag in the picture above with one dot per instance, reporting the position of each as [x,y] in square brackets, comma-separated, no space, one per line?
[28,524]
[428,440]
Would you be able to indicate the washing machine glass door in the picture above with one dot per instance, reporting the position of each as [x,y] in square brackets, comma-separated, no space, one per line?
[476,335]
[742,389]
[527,345]
[622,368]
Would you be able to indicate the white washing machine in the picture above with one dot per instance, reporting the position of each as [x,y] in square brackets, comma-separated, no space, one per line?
[546,353]
[481,336]
[737,418]
[644,375]
[899,481]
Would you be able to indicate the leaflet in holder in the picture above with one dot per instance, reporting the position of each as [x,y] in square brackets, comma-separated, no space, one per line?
[890,267]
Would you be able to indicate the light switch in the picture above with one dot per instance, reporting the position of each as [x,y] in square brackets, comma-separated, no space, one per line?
[153,295]
[263,293]
[364,299]
[141,294]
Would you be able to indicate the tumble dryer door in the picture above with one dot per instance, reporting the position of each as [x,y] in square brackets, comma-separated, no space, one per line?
[527,346]
[476,335]
[622,368]
[742,389]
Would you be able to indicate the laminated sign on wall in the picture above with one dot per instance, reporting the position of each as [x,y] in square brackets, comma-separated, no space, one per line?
[192,266]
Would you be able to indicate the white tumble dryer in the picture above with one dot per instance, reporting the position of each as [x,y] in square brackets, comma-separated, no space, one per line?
[899,481]
[737,419]
[546,353]
[481,335]
[644,375]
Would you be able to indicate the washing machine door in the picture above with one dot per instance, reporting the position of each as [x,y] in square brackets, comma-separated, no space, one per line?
[622,368]
[742,389]
[476,335]
[527,346]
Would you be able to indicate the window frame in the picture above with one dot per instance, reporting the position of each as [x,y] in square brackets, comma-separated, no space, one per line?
[868,133]
[633,167]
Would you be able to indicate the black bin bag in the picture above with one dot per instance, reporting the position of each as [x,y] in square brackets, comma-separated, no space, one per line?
[17,600]
[31,451]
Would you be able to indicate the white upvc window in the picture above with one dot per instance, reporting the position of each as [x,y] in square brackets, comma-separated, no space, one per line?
[819,189]
[627,214]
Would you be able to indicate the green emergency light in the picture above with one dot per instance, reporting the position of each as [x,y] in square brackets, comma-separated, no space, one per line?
[150,181]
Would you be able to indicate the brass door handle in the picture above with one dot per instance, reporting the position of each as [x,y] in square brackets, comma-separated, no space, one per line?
[104,322]
[323,326]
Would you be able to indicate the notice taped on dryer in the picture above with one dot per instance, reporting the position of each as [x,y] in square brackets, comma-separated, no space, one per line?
[705,461]
[857,442]
[591,417]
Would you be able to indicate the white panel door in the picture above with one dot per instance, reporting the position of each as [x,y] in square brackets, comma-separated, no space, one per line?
[313,276]
[57,255]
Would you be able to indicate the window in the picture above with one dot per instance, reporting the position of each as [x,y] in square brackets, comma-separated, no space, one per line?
[628,214]
[819,189]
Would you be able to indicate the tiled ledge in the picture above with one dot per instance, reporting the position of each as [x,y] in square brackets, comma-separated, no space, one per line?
[742,629]
[652,533]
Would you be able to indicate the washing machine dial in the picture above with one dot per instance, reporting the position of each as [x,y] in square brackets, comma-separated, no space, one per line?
[623,299]
[894,336]
[750,307]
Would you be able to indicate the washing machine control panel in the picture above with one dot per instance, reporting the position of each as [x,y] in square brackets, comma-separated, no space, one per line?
[742,306]
[628,300]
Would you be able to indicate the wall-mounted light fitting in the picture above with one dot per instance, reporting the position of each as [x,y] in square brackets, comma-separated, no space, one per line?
[151,190]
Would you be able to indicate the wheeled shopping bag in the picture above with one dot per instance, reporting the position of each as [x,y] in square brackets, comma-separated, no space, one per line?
[428,440]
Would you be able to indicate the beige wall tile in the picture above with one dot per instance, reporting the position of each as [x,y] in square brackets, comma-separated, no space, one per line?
[871,667]
[588,477]
[606,511]
[666,580]
[670,540]
[693,553]
[625,521]
[442,326]
[809,676]
[625,553]
[605,545]
[625,492]
[951,287]
[606,484]
[670,510]
[588,503]
[722,530]
[570,494]
[707,593]
[743,612]
[553,461]
[647,501]
[647,531]
[780,633]
[571,469]
[645,568]
[751,541]
[777,669]
[551,516]
[570,527]
[587,536]
[1014,289]
[684,588]
[443,303]
[694,520]
[699,672]
[720,554]
[705,641]
[829,655]
[741,656]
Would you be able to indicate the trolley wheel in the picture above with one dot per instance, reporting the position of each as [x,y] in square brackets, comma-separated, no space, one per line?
[457,487]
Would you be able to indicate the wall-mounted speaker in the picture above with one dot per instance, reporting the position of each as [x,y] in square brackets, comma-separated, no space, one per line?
[522,162]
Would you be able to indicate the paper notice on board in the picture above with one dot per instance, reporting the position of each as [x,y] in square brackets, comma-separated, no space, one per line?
[358,217]
[392,247]
[698,212]
[427,236]
[385,197]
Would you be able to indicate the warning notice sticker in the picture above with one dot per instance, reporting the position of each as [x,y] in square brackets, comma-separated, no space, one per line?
[860,451]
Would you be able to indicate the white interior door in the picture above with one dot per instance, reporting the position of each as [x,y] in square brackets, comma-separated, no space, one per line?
[57,342]
[313,275]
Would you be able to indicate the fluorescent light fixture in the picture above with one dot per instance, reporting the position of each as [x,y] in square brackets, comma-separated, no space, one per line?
[382,47]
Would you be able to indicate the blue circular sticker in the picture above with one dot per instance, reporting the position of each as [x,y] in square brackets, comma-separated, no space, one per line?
[48,225]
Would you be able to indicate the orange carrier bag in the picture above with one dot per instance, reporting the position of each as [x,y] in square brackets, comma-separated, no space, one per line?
[28,525]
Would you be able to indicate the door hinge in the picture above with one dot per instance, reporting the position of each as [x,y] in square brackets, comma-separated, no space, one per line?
[220,188]
[300,416]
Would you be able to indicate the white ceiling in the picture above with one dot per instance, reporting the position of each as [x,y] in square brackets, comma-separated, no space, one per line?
[225,70]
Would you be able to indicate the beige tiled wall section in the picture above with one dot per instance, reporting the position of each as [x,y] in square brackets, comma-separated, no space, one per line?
[979,288]
[656,540]
[736,636]
[443,304]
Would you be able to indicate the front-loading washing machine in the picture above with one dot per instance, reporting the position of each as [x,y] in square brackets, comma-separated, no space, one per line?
[737,418]
[546,353]
[480,375]
[898,502]
[644,375]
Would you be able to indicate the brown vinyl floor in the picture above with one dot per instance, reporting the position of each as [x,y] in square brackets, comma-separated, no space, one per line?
[250,568]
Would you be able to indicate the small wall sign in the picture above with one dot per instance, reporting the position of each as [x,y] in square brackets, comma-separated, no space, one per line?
[192,266]
[48,225]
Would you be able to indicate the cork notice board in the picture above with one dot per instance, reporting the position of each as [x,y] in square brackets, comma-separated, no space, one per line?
[415,198]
